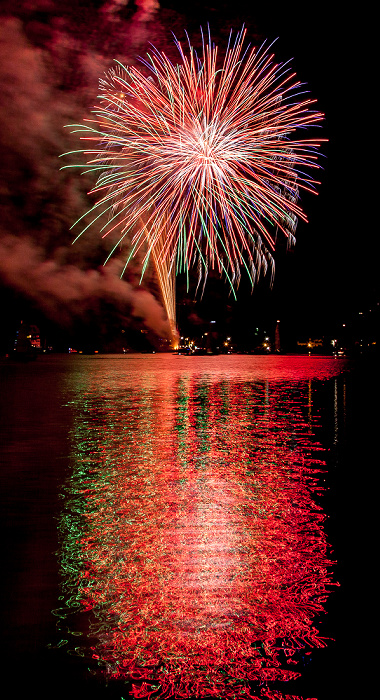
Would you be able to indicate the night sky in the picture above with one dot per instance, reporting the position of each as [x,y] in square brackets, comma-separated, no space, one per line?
[51,56]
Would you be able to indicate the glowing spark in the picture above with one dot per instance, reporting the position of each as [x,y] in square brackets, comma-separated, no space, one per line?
[198,163]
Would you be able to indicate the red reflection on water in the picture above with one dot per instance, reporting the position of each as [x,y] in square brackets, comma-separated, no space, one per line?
[192,535]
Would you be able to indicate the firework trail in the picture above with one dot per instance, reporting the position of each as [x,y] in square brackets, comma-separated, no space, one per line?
[198,163]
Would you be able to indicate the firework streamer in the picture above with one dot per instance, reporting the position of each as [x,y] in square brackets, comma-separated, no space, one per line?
[166,276]
[198,163]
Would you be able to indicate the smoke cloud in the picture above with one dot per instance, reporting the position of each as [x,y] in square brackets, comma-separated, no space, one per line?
[62,291]
[145,13]
[49,70]
[147,10]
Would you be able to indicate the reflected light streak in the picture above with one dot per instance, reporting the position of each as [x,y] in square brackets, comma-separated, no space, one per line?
[193,553]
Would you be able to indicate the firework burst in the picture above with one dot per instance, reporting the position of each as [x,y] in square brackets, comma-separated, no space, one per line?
[198,163]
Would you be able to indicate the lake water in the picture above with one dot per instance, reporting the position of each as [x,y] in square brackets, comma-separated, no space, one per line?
[183,524]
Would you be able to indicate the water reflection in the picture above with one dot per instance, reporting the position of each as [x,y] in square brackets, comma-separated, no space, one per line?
[193,553]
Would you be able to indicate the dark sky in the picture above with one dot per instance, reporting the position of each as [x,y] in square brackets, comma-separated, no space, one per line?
[51,56]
